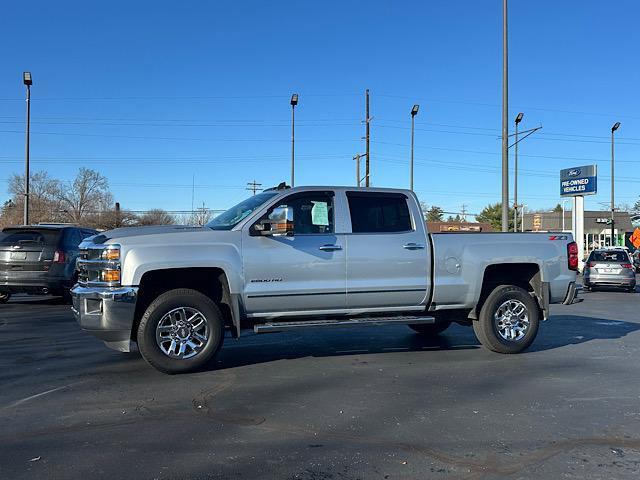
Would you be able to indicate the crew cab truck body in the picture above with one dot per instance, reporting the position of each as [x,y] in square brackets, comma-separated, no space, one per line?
[314,257]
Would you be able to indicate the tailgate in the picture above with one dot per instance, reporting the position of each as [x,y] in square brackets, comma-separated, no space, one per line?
[27,250]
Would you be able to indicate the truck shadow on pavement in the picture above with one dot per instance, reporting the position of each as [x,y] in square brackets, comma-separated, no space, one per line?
[565,330]
[560,331]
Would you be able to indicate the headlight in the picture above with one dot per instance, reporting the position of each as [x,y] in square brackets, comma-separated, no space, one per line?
[112,253]
[99,265]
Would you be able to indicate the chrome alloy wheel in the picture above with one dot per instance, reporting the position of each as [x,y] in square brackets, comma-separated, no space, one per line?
[512,320]
[182,332]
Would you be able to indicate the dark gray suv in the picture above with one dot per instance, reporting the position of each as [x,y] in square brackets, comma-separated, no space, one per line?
[39,259]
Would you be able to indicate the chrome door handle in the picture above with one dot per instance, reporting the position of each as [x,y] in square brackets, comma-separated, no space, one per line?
[330,248]
[413,246]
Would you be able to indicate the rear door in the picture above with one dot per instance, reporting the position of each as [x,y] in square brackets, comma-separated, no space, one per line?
[25,250]
[387,251]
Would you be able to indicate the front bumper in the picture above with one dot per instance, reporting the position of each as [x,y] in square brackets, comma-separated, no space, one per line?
[106,313]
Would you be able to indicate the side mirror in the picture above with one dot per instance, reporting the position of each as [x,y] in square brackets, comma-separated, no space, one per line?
[279,222]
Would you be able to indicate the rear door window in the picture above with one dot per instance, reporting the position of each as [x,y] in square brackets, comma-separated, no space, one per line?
[72,239]
[379,212]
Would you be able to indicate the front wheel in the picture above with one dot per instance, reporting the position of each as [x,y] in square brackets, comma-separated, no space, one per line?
[508,320]
[4,297]
[180,331]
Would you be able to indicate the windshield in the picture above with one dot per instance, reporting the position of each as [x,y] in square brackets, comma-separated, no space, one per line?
[233,216]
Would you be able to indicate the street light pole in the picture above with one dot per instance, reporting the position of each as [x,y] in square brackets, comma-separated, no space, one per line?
[613,129]
[294,102]
[505,124]
[26,79]
[414,112]
[515,183]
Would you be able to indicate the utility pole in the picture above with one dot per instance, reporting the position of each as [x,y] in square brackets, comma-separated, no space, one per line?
[253,186]
[117,214]
[613,129]
[505,122]
[368,153]
[26,79]
[414,112]
[294,102]
[193,191]
[463,211]
[515,182]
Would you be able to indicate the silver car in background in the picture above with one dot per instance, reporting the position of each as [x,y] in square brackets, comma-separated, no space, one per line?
[609,268]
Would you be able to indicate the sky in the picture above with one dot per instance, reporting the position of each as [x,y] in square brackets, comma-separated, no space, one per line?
[160,96]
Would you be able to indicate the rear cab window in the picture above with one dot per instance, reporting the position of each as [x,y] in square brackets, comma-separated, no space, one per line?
[373,212]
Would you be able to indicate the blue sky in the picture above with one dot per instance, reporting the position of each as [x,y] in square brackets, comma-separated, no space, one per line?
[155,94]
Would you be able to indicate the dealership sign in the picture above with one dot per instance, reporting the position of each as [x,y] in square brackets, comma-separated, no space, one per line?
[578,181]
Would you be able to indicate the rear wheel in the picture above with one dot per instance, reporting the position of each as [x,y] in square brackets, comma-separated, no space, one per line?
[508,321]
[181,331]
[4,297]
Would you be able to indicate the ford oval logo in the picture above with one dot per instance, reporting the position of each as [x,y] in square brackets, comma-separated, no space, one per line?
[574,172]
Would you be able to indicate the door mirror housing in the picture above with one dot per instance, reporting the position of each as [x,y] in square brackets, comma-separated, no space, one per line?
[279,222]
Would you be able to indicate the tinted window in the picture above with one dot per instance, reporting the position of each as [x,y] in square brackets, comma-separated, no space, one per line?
[72,238]
[312,212]
[15,236]
[378,213]
[612,256]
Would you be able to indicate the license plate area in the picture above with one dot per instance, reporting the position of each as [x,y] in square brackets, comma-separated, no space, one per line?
[18,256]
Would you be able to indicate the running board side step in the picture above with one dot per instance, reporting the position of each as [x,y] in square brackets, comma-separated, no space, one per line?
[348,322]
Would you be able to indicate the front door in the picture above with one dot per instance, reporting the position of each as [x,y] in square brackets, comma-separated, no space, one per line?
[303,271]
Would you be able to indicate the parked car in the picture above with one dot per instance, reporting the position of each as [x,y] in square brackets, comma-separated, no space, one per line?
[314,257]
[39,259]
[636,260]
[610,267]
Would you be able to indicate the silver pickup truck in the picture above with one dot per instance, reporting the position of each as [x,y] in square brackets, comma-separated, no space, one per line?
[312,257]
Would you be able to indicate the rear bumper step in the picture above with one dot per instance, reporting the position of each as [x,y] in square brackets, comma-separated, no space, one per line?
[348,322]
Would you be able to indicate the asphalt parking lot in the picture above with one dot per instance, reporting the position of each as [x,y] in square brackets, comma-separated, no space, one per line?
[341,404]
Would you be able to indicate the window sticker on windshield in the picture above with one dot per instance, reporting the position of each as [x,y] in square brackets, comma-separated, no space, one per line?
[320,213]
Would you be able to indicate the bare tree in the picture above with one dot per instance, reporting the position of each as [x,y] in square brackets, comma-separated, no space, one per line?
[156,216]
[43,199]
[87,194]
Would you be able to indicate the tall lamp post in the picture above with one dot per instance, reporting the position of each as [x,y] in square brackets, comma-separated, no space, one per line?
[294,102]
[505,121]
[515,186]
[26,79]
[414,112]
[613,129]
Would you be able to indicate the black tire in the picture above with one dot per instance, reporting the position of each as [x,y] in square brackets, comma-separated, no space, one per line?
[165,303]
[4,297]
[431,330]
[486,326]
